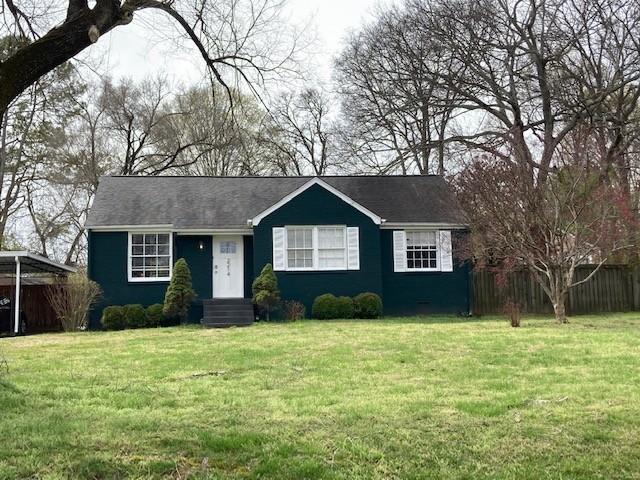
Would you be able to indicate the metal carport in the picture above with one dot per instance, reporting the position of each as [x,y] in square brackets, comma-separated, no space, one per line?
[19,263]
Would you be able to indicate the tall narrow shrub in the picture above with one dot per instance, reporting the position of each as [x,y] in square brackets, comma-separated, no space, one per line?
[265,290]
[180,292]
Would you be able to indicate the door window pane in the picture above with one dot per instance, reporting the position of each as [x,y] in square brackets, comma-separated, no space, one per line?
[228,247]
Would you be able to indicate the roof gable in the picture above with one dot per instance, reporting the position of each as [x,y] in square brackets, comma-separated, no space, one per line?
[315,181]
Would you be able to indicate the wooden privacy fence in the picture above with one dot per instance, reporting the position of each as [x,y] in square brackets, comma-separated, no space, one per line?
[614,288]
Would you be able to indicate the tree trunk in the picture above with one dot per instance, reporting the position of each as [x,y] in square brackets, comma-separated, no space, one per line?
[559,308]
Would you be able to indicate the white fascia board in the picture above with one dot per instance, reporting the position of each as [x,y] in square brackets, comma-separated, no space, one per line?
[131,228]
[168,228]
[423,225]
[315,181]
[214,231]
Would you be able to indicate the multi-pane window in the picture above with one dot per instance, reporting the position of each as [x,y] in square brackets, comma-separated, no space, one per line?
[316,248]
[300,248]
[422,250]
[150,256]
[331,248]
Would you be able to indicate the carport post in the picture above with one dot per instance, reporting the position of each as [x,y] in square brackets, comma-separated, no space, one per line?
[16,326]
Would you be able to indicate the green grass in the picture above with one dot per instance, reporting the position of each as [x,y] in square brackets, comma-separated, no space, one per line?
[399,398]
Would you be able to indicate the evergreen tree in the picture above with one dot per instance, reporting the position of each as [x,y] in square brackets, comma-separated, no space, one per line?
[265,290]
[180,293]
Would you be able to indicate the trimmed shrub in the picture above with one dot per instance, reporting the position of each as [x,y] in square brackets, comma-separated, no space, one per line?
[180,292]
[155,317]
[113,318]
[344,307]
[328,306]
[265,290]
[294,310]
[324,307]
[135,316]
[170,321]
[367,305]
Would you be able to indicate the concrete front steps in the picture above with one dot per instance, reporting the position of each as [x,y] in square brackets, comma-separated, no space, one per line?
[227,312]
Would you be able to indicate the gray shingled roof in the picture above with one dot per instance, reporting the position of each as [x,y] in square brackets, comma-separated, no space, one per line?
[228,202]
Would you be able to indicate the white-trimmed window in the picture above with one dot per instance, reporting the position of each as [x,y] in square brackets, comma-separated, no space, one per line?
[150,257]
[422,250]
[300,248]
[326,247]
[332,249]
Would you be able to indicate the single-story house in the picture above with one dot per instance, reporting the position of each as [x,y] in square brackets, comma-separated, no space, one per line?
[392,235]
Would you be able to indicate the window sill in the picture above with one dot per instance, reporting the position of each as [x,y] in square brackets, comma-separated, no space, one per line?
[298,272]
[419,272]
[149,280]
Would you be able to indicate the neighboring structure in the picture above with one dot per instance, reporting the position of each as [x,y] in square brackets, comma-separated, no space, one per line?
[24,307]
[391,235]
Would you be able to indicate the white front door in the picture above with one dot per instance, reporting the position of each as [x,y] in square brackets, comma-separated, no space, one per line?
[228,266]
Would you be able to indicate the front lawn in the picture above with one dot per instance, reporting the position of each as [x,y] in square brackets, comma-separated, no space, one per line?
[401,398]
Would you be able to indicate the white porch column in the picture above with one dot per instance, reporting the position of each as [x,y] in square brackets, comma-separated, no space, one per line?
[16,306]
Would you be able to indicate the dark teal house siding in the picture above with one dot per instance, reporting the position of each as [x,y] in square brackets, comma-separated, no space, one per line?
[317,206]
[107,265]
[248,265]
[200,263]
[411,293]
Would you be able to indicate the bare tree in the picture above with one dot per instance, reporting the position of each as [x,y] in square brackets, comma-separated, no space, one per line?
[303,134]
[574,218]
[33,124]
[228,34]
[139,120]
[534,70]
[397,116]
[226,133]
[57,213]
[15,170]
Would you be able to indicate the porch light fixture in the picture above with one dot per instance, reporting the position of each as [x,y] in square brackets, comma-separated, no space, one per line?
[201,245]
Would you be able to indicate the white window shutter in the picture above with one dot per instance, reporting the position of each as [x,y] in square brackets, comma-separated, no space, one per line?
[353,248]
[278,248]
[399,251]
[446,257]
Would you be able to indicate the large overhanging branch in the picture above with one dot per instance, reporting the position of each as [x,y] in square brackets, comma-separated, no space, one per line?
[84,25]
[81,28]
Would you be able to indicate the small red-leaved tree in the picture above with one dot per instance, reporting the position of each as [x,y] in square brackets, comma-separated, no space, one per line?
[575,217]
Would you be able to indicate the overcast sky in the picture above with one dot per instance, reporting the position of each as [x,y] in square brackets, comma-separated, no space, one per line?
[135,51]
